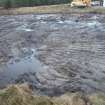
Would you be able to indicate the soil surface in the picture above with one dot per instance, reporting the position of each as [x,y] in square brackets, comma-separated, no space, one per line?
[53,53]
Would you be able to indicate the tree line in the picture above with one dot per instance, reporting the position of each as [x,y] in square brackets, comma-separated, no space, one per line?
[20,3]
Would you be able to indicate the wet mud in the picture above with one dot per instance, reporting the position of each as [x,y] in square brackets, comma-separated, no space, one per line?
[53,53]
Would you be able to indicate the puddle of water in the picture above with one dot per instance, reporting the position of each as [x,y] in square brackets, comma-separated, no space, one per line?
[14,68]
[78,24]
[57,23]
[24,28]
[93,23]
[45,16]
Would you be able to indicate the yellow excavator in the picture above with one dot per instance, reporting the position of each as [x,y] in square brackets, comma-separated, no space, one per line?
[81,3]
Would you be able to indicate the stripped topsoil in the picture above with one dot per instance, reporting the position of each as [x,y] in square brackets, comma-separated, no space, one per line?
[53,53]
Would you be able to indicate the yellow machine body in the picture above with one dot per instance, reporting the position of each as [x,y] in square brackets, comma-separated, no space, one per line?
[80,3]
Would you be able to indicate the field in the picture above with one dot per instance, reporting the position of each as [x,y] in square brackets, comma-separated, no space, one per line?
[52,55]
[62,8]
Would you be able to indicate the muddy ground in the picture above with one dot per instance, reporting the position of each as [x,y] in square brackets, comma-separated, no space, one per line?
[53,53]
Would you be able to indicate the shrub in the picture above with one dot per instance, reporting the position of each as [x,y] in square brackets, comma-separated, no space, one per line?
[7,4]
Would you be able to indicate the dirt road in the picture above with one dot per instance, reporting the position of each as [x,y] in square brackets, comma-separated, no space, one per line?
[53,53]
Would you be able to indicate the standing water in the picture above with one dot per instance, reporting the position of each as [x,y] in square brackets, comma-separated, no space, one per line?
[18,66]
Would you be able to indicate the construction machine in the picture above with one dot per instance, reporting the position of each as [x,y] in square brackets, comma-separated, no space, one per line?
[81,3]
